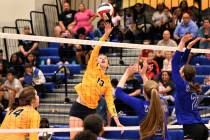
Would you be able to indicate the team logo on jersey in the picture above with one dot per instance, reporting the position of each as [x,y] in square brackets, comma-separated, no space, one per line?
[187,88]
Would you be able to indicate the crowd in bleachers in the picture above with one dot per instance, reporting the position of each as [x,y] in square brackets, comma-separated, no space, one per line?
[138,24]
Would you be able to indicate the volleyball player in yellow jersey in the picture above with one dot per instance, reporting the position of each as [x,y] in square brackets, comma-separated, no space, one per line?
[23,117]
[95,83]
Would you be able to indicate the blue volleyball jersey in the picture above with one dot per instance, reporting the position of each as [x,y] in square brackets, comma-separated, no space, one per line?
[186,102]
[141,107]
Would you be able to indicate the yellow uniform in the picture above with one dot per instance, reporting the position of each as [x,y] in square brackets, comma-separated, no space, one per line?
[96,83]
[25,117]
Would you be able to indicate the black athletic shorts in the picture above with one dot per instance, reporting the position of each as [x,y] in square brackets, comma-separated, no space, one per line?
[195,131]
[80,111]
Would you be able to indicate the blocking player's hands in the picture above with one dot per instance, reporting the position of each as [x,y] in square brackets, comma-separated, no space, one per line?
[192,43]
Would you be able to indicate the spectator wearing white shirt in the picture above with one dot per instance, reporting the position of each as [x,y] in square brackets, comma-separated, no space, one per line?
[167,61]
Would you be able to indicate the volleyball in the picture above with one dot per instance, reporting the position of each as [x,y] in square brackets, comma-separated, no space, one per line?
[105,11]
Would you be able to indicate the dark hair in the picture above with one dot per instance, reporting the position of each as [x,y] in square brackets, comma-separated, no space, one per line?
[189,75]
[94,123]
[11,71]
[114,82]
[168,72]
[44,123]
[1,51]
[85,135]
[81,31]
[206,18]
[183,1]
[99,22]
[28,65]
[25,98]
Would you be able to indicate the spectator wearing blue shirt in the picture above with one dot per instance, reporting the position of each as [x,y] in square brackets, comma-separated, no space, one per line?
[186,26]
[186,100]
[152,113]
[204,33]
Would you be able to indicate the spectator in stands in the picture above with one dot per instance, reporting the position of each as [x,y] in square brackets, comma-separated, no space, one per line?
[143,20]
[186,26]
[207,80]
[16,64]
[153,68]
[33,77]
[167,61]
[67,52]
[166,86]
[31,59]
[159,57]
[57,31]
[4,64]
[66,18]
[204,33]
[95,124]
[83,18]
[185,8]
[128,17]
[100,30]
[176,19]
[82,51]
[167,41]
[85,135]
[11,88]
[161,17]
[132,34]
[27,46]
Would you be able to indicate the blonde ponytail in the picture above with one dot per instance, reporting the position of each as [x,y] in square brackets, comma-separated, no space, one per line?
[154,120]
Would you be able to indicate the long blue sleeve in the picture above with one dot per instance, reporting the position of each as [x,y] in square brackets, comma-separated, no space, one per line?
[185,56]
[177,63]
[133,102]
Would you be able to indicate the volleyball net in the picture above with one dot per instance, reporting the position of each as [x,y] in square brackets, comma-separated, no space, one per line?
[59,87]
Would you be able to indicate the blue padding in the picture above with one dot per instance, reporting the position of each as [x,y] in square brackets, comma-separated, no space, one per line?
[205,120]
[54,59]
[205,88]
[74,69]
[202,60]
[202,70]
[50,86]
[54,45]
[59,138]
[199,79]
[48,52]
[60,126]
[129,120]
[125,135]
[175,135]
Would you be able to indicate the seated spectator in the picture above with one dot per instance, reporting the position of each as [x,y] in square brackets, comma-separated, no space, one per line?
[65,18]
[207,80]
[83,18]
[82,51]
[132,34]
[176,19]
[183,6]
[10,89]
[85,135]
[159,57]
[128,17]
[167,41]
[166,86]
[161,17]
[99,30]
[33,77]
[153,68]
[27,46]
[16,64]
[95,124]
[4,64]
[186,26]
[67,52]
[167,61]
[31,59]
[204,33]
[57,31]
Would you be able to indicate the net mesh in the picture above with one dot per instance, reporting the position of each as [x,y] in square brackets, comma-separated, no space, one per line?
[62,73]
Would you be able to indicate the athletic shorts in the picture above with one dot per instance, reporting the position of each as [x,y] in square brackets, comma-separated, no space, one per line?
[195,131]
[80,111]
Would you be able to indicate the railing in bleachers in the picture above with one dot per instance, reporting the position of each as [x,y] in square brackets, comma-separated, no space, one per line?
[51,15]
[11,45]
[20,23]
[39,25]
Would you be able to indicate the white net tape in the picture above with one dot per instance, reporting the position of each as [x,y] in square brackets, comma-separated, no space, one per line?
[127,128]
[88,42]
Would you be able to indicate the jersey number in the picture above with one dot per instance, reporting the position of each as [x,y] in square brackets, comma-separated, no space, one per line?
[100,82]
[17,113]
[194,99]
